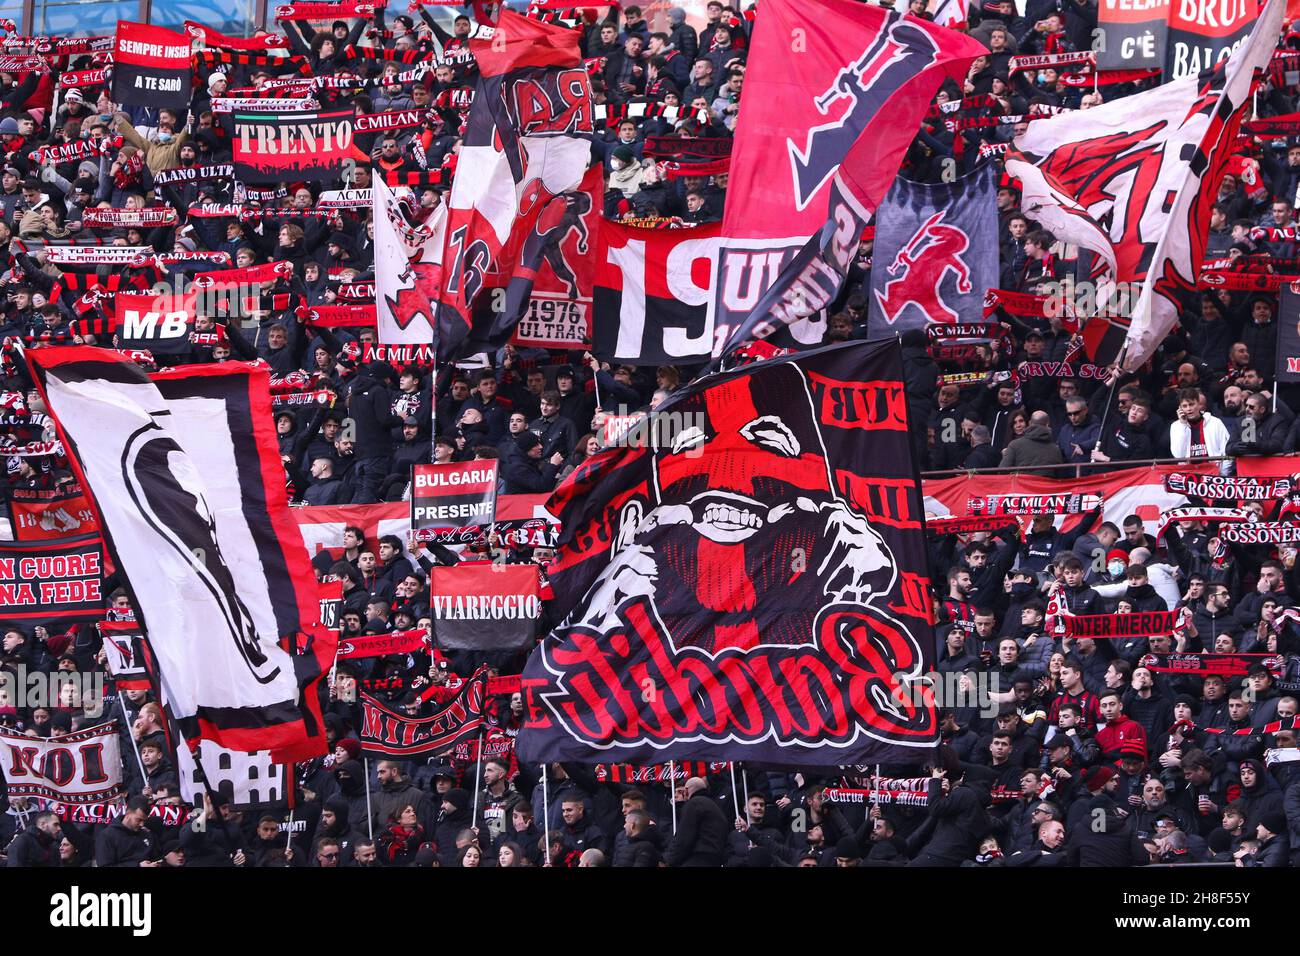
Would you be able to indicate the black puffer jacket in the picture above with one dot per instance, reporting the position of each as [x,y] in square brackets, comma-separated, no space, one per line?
[702,832]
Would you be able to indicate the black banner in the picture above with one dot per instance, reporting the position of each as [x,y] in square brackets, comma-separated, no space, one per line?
[280,147]
[56,581]
[483,606]
[1288,335]
[778,534]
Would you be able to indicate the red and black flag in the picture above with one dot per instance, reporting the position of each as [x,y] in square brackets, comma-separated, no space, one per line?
[482,606]
[279,147]
[151,66]
[390,733]
[936,247]
[764,571]
[160,323]
[526,149]
[446,499]
[651,299]
[817,149]
[58,581]
[1133,181]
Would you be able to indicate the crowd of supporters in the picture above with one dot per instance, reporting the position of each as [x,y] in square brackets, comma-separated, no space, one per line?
[1084,757]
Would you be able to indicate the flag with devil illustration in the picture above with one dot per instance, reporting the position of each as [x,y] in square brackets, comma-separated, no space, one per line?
[749,585]
[935,253]
[526,148]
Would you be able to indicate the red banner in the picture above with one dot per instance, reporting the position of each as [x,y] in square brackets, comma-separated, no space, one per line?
[151,66]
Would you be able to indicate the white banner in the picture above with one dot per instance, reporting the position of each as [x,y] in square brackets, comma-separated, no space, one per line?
[80,768]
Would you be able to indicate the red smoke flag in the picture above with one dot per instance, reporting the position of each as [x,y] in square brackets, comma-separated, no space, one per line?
[527,145]
[833,98]
[1134,180]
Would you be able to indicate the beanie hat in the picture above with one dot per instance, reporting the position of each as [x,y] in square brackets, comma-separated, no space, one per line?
[8,125]
[1097,777]
[624,154]
[457,797]
[1116,554]
[848,848]
[1274,822]
[526,440]
[1133,748]
[351,746]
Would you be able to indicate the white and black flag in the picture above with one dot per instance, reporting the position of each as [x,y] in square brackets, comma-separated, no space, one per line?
[201,533]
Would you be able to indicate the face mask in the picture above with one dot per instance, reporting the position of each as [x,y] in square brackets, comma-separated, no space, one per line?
[616,164]
[164,137]
[1116,568]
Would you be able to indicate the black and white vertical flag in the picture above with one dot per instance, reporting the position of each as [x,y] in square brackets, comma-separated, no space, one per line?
[190,490]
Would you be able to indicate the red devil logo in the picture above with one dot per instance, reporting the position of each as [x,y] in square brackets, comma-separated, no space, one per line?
[920,269]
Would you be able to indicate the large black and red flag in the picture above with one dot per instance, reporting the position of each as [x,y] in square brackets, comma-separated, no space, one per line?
[651,300]
[448,499]
[59,581]
[527,146]
[754,589]
[151,66]
[935,253]
[1133,181]
[817,149]
[483,606]
[183,470]
[279,147]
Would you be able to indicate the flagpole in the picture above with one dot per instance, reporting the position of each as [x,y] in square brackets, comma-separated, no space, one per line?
[288,839]
[370,819]
[735,799]
[546,821]
[144,777]
[672,791]
[478,774]
[744,784]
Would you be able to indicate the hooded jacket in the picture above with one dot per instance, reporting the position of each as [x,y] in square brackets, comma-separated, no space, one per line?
[1032,449]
